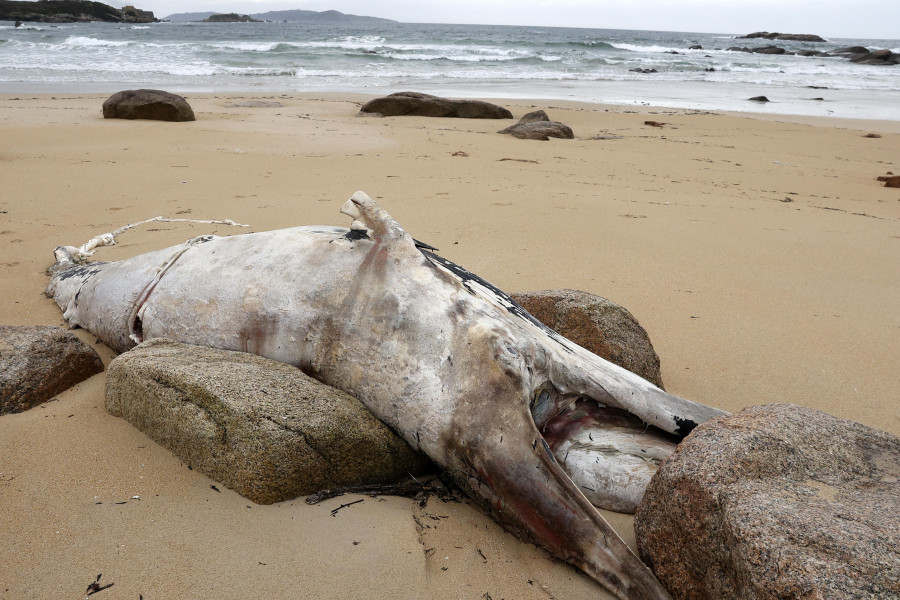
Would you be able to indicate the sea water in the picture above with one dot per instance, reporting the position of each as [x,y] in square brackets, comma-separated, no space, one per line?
[592,65]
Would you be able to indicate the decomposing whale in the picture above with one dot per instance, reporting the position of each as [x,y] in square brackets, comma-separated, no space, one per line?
[451,363]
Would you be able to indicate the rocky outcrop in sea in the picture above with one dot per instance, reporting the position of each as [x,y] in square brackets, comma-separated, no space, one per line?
[856,54]
[794,37]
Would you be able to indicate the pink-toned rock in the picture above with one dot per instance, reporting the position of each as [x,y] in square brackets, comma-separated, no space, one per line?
[776,502]
[39,362]
[596,324]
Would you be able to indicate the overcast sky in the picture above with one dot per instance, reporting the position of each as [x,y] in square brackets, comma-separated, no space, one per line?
[828,18]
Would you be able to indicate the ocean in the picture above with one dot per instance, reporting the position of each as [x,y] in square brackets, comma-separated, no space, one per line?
[591,65]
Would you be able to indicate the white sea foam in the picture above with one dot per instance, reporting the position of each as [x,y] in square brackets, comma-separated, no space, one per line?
[350,42]
[457,56]
[89,42]
[653,49]
[246,46]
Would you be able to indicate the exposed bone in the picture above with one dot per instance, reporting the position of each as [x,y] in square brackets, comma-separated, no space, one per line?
[609,454]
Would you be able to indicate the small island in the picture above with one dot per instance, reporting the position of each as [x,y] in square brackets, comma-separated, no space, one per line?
[71,11]
[230,18]
[794,37]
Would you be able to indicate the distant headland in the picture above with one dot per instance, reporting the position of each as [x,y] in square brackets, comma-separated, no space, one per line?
[74,11]
[291,16]
[71,11]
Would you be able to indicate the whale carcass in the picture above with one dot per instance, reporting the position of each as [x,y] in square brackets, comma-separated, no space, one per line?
[451,363]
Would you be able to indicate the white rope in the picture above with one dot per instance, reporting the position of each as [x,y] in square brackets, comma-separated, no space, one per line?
[73,254]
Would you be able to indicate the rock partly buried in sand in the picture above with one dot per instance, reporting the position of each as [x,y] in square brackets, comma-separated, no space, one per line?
[37,363]
[775,502]
[147,104]
[538,126]
[597,324]
[424,105]
[535,116]
[260,427]
[891,181]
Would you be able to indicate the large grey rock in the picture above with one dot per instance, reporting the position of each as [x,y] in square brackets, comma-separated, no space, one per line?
[776,502]
[761,50]
[147,104]
[260,427]
[39,362]
[538,126]
[597,324]
[878,57]
[424,105]
[851,50]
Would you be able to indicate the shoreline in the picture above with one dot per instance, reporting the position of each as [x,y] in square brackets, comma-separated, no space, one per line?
[785,102]
[757,251]
[638,107]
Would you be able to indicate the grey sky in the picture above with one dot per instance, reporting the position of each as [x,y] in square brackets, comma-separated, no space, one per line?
[828,18]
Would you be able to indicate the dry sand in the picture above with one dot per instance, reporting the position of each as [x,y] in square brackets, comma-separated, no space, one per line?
[749,298]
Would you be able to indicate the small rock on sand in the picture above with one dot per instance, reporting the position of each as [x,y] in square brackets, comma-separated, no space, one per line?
[537,125]
[39,362]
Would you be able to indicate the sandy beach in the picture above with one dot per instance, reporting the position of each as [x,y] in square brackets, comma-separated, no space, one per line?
[760,254]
